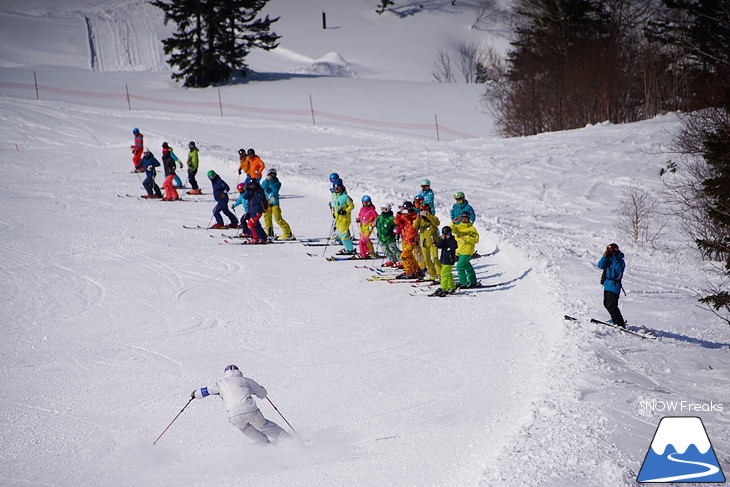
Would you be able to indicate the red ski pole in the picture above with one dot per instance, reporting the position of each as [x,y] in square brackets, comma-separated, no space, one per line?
[178,415]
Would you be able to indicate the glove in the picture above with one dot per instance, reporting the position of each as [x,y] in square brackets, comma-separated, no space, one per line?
[233,208]
[357,220]
[192,395]
[239,171]
[341,212]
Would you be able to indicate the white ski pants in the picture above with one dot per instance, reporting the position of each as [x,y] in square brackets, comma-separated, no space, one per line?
[258,428]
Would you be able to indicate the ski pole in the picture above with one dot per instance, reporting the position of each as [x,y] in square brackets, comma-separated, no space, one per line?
[282,417]
[178,415]
[329,237]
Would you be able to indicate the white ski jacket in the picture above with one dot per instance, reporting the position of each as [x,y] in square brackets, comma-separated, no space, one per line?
[236,391]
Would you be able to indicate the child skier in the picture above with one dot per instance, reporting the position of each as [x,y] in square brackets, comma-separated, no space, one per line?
[220,193]
[366,218]
[271,186]
[168,162]
[447,244]
[137,150]
[427,194]
[461,205]
[409,235]
[193,168]
[342,207]
[386,235]
[466,236]
[149,163]
[243,413]
[427,225]
[245,232]
[257,205]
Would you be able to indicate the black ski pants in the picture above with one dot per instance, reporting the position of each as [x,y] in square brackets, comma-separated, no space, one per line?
[191,178]
[610,302]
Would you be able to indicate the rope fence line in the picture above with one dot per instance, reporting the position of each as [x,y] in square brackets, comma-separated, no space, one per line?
[219,106]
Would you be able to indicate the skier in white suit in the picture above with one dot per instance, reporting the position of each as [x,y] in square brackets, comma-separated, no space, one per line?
[243,413]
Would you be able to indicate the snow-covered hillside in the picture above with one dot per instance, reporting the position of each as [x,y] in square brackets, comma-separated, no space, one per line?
[114,313]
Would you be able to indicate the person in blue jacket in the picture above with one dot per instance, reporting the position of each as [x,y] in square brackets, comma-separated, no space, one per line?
[257,205]
[613,266]
[149,163]
[461,205]
[220,193]
[427,194]
[271,186]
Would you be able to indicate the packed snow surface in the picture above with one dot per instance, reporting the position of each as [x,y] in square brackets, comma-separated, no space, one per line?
[113,312]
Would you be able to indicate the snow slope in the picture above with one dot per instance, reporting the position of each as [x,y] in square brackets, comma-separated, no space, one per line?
[114,312]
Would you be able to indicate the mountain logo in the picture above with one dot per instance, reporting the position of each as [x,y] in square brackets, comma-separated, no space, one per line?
[680,452]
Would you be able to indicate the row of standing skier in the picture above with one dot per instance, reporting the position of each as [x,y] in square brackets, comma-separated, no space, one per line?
[426,249]
[258,199]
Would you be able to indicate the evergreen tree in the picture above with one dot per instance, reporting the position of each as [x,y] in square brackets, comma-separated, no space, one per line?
[699,190]
[571,63]
[701,29]
[214,37]
[716,152]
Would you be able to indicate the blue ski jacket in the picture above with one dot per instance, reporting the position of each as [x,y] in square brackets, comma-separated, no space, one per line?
[614,266]
[459,207]
[428,197]
[150,163]
[271,187]
[220,188]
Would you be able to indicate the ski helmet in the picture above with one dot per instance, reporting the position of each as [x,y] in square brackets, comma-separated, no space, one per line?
[231,367]
[459,196]
[386,207]
[211,174]
[407,205]
[272,172]
[165,146]
[251,152]
[366,199]
[334,177]
[418,197]
[446,230]
[241,187]
[147,152]
[425,206]
[337,188]
[465,214]
[191,144]
[425,182]
[241,152]
[135,130]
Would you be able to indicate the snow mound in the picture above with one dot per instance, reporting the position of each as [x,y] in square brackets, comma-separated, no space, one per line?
[331,64]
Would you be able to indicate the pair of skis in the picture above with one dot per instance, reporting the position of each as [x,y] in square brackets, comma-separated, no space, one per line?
[643,333]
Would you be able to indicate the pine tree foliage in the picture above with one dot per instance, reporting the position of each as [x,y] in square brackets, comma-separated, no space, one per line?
[700,29]
[214,37]
[700,191]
